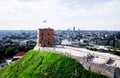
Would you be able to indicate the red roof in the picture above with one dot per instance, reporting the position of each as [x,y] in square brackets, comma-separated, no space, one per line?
[20,54]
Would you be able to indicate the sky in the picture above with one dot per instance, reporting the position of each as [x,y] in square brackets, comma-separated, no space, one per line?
[60,14]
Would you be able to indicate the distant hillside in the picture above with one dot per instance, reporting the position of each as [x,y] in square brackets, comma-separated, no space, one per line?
[36,64]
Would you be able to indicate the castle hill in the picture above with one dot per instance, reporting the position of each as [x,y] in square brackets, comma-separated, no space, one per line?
[59,38]
[101,55]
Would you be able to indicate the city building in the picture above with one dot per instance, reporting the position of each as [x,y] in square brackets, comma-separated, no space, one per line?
[45,37]
[74,29]
[18,55]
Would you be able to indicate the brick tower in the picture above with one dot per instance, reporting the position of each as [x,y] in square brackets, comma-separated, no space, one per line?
[45,37]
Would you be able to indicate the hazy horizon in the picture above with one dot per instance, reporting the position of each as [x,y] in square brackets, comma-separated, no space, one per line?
[60,14]
[52,28]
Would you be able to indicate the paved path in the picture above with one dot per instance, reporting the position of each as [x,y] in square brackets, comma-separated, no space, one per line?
[100,57]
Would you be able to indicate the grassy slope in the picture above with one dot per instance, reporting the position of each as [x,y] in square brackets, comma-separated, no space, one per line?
[36,64]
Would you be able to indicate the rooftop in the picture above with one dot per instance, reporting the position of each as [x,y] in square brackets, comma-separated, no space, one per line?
[20,54]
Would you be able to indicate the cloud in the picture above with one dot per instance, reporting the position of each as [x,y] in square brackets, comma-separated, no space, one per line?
[60,14]
[28,0]
[108,8]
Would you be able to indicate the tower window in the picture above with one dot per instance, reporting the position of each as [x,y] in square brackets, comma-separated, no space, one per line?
[48,42]
[42,34]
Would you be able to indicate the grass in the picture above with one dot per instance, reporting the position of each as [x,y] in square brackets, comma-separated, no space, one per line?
[36,64]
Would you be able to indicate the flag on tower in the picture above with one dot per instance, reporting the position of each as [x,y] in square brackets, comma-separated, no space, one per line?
[45,21]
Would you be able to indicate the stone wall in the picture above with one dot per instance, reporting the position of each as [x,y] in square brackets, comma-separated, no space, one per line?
[104,69]
[117,73]
[110,71]
[99,68]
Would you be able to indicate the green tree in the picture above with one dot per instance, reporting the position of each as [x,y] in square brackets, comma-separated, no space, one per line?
[10,51]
